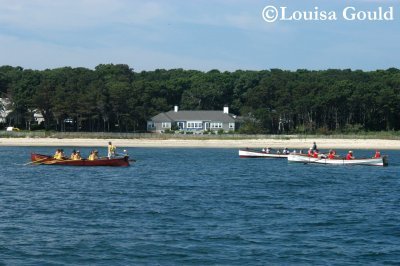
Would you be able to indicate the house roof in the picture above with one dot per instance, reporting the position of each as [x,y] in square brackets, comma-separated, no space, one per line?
[216,116]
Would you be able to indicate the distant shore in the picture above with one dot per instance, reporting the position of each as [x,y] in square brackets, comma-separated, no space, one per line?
[369,144]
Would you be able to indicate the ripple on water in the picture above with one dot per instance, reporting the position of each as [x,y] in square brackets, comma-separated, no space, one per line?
[197,206]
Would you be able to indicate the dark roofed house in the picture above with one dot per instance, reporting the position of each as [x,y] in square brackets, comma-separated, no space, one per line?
[195,121]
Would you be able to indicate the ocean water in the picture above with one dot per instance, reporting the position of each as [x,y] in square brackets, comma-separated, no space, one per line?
[198,207]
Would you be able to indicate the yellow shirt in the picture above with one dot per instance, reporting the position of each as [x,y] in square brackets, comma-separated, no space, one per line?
[93,157]
[111,148]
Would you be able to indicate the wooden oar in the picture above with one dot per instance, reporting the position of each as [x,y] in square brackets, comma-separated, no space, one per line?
[58,160]
[37,161]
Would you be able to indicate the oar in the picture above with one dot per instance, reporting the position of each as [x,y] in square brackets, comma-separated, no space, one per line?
[58,160]
[38,161]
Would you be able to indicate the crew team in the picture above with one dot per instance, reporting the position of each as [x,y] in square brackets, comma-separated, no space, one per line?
[94,154]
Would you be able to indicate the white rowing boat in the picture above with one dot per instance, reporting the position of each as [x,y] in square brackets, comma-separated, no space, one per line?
[247,153]
[383,161]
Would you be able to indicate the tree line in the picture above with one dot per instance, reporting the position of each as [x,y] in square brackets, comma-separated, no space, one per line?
[116,98]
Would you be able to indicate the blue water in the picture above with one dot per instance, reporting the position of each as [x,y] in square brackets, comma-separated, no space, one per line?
[198,207]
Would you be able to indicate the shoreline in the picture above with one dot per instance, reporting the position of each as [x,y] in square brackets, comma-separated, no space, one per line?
[367,144]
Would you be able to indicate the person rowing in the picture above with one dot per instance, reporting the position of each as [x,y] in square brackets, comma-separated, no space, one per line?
[59,155]
[77,156]
[350,156]
[377,154]
[94,155]
[331,154]
[73,154]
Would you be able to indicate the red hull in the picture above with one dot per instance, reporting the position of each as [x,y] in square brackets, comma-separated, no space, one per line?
[49,160]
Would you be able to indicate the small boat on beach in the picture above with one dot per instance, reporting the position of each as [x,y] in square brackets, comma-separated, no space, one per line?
[248,153]
[49,160]
[302,158]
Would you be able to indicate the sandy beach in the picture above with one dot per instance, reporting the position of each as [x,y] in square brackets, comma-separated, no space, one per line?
[210,143]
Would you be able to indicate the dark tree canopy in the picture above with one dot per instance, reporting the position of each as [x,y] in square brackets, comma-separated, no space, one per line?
[115,98]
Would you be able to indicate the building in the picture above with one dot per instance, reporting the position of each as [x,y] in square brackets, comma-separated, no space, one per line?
[193,121]
[38,117]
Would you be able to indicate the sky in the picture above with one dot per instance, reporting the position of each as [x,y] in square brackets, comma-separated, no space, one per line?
[198,34]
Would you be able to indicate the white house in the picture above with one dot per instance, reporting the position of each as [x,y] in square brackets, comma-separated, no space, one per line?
[194,121]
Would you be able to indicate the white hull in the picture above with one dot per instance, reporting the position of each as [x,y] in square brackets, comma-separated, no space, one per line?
[367,161]
[260,154]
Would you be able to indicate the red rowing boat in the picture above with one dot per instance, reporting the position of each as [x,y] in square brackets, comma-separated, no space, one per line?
[49,160]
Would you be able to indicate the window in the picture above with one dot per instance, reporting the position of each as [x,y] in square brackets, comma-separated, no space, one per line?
[150,124]
[216,125]
[194,124]
[231,125]
[181,125]
[166,124]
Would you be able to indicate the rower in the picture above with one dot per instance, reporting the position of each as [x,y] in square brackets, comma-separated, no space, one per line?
[59,154]
[350,156]
[77,156]
[73,154]
[93,155]
[315,155]
[310,152]
[377,154]
[331,154]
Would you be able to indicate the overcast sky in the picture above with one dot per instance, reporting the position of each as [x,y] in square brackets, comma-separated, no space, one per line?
[197,34]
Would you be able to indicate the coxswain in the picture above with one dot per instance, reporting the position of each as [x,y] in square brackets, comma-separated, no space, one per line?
[111,150]
[314,146]
[377,154]
[350,156]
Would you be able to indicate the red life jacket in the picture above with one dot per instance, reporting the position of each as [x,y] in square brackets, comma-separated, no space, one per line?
[331,156]
[377,154]
[349,156]
[315,155]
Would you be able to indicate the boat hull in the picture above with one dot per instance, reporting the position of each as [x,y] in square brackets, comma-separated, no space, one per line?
[49,160]
[247,153]
[367,161]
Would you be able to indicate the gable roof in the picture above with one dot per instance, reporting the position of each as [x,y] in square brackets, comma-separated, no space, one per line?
[171,116]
